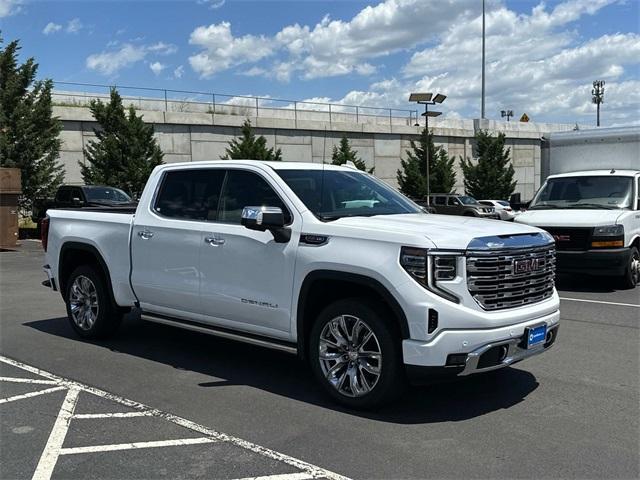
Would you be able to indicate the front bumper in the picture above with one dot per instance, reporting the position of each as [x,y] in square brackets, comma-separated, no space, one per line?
[612,261]
[474,343]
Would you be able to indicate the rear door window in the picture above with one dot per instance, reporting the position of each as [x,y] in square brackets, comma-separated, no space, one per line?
[64,195]
[190,194]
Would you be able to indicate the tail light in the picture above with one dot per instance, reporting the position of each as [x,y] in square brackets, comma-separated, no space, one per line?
[44,232]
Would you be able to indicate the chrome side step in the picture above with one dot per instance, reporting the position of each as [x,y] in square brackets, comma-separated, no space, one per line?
[250,338]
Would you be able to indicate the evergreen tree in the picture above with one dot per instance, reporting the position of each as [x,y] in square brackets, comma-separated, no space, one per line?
[125,152]
[250,147]
[29,134]
[346,154]
[492,176]
[412,178]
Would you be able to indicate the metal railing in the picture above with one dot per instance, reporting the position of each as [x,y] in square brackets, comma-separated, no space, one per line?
[168,100]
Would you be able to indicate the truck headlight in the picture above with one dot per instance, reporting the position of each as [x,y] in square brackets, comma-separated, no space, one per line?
[608,236]
[431,269]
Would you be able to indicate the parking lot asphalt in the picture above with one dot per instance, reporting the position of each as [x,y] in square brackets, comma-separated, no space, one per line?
[195,406]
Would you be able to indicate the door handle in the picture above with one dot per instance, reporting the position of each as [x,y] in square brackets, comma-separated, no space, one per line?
[145,234]
[214,240]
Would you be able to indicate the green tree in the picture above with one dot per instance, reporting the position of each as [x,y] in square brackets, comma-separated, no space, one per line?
[125,151]
[492,175]
[412,177]
[250,147]
[29,134]
[346,154]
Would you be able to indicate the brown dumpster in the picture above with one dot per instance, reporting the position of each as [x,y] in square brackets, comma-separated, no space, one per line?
[10,190]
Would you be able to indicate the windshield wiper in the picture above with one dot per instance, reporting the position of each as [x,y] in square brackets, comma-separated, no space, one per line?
[592,206]
[543,206]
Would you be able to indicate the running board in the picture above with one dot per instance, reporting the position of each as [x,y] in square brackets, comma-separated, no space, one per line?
[250,338]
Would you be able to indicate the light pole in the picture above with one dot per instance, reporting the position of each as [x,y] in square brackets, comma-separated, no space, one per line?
[506,113]
[597,96]
[483,58]
[427,99]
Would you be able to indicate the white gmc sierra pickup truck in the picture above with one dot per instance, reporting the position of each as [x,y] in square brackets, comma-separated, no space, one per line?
[324,261]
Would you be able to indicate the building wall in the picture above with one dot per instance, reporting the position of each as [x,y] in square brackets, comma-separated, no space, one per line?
[192,137]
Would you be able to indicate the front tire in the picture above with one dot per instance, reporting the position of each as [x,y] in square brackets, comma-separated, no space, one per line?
[90,308]
[631,276]
[355,354]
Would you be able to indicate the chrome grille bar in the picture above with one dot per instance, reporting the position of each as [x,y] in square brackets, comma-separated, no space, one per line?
[494,284]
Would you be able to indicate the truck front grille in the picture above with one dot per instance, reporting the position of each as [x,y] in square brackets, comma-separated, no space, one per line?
[508,279]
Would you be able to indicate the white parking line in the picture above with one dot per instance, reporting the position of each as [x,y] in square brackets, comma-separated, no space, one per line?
[282,476]
[30,394]
[134,445]
[52,449]
[633,305]
[50,455]
[113,415]
[36,381]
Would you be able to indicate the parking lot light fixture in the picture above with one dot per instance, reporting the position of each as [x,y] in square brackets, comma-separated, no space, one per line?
[597,96]
[426,99]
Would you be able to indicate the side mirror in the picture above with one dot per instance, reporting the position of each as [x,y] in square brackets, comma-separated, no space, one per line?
[76,201]
[266,218]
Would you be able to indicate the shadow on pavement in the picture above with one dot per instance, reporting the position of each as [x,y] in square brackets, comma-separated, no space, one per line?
[234,363]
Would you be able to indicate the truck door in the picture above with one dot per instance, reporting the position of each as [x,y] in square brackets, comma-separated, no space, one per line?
[247,277]
[167,240]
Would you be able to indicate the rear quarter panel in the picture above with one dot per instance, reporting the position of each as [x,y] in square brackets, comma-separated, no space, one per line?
[108,233]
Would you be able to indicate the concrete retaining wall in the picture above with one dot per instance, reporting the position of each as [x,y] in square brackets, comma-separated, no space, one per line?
[192,137]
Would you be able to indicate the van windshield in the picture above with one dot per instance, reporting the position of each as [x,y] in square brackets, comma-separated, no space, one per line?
[333,194]
[597,192]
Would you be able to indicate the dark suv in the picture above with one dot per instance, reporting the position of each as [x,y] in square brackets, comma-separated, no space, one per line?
[452,204]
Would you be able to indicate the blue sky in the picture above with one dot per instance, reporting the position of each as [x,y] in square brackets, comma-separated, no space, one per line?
[542,57]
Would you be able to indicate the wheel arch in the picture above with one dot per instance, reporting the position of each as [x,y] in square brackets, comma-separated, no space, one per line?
[314,292]
[74,254]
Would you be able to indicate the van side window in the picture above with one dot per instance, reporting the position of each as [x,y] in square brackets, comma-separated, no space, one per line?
[247,189]
[190,194]
[441,201]
[453,202]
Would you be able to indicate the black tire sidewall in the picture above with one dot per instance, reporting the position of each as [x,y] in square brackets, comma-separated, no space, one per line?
[627,280]
[108,318]
[392,380]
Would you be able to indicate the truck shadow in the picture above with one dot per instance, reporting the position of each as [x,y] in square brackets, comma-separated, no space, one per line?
[231,363]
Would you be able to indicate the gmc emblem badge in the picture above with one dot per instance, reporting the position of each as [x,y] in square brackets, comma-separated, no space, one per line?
[527,265]
[562,238]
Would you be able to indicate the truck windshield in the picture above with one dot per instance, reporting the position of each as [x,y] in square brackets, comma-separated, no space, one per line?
[333,194]
[96,194]
[598,192]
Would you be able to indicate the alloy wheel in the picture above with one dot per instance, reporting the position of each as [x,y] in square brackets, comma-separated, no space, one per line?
[83,302]
[350,355]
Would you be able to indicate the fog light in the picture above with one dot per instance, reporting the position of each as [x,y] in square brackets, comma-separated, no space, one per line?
[456,360]
[433,320]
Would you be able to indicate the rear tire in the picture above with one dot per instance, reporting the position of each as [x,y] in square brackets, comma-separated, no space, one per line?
[355,354]
[631,276]
[91,310]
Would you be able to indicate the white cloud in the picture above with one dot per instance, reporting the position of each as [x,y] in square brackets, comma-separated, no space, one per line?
[51,28]
[221,50]
[10,7]
[111,61]
[212,4]
[157,67]
[254,72]
[178,72]
[74,26]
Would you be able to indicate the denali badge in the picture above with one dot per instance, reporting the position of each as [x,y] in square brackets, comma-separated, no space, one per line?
[527,265]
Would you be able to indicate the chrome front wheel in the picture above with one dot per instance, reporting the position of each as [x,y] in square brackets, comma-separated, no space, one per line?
[350,355]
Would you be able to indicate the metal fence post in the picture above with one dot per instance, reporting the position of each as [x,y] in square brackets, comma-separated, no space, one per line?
[329,114]
[357,115]
[295,113]
[213,98]
[166,106]
[390,117]
[256,107]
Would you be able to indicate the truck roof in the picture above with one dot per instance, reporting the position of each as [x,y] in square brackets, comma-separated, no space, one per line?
[600,173]
[274,165]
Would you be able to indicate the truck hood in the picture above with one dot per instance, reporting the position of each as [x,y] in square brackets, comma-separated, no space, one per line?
[444,231]
[569,217]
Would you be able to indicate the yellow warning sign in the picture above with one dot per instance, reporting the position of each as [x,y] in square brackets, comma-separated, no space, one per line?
[524,117]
